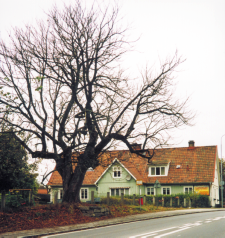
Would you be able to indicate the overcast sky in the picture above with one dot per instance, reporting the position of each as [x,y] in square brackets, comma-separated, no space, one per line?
[196,28]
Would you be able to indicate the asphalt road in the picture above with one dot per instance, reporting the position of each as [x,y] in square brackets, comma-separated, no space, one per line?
[207,224]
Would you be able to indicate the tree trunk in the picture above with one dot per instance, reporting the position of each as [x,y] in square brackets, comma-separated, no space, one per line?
[73,179]
[72,191]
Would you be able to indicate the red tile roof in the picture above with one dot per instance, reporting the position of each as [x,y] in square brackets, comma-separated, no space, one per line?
[197,165]
[42,191]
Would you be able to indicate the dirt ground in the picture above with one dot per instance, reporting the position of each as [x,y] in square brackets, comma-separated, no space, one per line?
[44,216]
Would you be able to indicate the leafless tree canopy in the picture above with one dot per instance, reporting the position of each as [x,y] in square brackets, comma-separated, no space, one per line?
[61,85]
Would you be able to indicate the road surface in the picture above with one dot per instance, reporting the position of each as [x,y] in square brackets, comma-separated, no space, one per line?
[206,224]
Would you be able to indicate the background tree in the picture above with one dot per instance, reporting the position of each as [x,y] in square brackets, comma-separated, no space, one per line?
[62,84]
[15,172]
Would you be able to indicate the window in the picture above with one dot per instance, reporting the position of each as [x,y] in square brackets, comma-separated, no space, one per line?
[157,171]
[150,191]
[83,193]
[117,172]
[90,169]
[188,190]
[60,194]
[119,191]
[166,190]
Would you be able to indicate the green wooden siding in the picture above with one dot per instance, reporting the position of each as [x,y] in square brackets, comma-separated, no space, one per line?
[108,182]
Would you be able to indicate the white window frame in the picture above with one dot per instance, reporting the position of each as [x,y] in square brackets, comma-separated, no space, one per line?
[166,190]
[60,193]
[84,194]
[150,191]
[117,171]
[120,191]
[188,187]
[154,175]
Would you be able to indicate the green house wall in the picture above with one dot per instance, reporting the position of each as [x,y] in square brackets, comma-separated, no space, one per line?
[108,181]
[90,188]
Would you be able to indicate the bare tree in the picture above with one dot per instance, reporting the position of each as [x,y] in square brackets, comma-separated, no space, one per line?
[60,84]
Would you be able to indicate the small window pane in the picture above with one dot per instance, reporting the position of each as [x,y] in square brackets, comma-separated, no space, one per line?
[153,171]
[112,192]
[157,170]
[186,190]
[166,191]
[152,191]
[117,192]
[61,194]
[122,191]
[190,190]
[117,171]
[162,170]
[83,193]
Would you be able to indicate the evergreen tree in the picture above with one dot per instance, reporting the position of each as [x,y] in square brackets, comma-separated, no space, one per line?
[15,172]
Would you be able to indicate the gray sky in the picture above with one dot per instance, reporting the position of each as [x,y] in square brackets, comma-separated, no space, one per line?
[196,28]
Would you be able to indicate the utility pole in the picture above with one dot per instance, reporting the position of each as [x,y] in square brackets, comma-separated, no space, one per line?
[221,175]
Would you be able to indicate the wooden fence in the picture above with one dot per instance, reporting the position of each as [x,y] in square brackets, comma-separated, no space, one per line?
[143,200]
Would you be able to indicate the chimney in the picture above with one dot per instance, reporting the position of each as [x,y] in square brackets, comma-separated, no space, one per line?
[136,146]
[191,143]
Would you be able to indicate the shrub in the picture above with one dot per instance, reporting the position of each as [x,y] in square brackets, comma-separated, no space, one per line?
[149,200]
[199,200]
[117,201]
[14,201]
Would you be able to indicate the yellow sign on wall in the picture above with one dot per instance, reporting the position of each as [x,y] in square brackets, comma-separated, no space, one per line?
[203,190]
[139,182]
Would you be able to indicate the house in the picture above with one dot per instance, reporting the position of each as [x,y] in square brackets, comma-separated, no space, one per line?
[178,170]
[42,195]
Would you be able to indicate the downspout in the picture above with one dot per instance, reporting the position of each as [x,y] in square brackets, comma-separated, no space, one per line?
[211,198]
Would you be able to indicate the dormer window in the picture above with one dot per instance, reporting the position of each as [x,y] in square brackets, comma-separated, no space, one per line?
[117,172]
[158,170]
[90,169]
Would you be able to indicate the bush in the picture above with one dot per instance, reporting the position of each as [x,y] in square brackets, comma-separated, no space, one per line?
[199,200]
[117,201]
[149,200]
[14,201]
[166,201]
